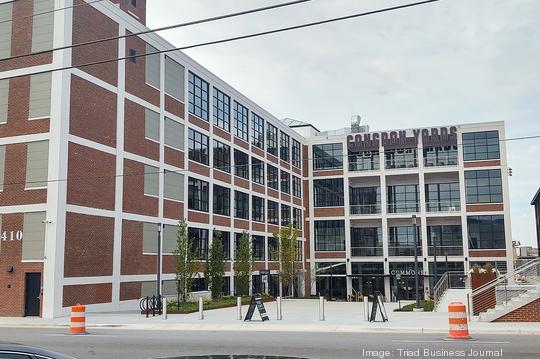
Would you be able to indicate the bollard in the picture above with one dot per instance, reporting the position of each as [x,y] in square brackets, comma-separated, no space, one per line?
[78,320]
[321,308]
[457,321]
[278,301]
[239,308]
[164,305]
[366,308]
[201,309]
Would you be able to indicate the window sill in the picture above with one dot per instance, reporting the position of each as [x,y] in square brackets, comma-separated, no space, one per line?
[39,118]
[34,188]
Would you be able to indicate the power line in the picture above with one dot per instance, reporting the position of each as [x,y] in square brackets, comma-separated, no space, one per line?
[45,13]
[170,27]
[230,39]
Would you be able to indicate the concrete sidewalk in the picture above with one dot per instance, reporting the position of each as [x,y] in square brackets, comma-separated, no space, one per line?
[298,316]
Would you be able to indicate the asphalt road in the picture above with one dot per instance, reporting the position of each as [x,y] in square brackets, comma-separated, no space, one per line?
[134,344]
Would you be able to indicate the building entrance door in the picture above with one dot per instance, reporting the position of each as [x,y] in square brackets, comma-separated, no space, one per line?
[31,294]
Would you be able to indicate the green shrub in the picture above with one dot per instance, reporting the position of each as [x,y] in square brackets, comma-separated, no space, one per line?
[427,305]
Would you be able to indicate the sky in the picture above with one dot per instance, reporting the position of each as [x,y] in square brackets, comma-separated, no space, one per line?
[448,62]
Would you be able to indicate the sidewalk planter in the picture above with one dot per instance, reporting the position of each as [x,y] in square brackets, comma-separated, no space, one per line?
[226,302]
[487,299]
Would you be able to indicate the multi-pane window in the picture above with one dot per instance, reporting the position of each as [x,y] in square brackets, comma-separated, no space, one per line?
[481,146]
[440,156]
[199,242]
[402,241]
[241,164]
[364,161]
[271,139]
[297,218]
[285,182]
[296,186]
[299,251]
[273,249]
[273,212]
[330,235]
[285,215]
[328,192]
[257,209]
[401,158]
[442,197]
[445,240]
[284,146]
[273,180]
[257,170]
[403,198]
[257,245]
[486,232]
[366,242]
[483,186]
[198,96]
[296,158]
[257,130]
[226,242]
[222,200]
[241,205]
[327,156]
[222,156]
[241,121]
[222,110]
[365,200]
[198,147]
[197,194]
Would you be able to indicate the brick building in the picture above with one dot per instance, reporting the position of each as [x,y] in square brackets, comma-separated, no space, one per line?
[536,203]
[96,160]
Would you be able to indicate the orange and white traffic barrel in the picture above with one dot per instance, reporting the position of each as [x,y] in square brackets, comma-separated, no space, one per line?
[458,327]
[78,319]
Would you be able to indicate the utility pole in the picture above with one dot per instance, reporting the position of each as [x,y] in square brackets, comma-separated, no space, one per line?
[158,271]
[416,278]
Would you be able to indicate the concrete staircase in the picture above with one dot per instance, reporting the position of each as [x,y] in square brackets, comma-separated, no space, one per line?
[452,295]
[527,296]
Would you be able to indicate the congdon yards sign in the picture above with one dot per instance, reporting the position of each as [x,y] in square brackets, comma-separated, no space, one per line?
[440,136]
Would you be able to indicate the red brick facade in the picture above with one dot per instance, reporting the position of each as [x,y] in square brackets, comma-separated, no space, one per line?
[528,313]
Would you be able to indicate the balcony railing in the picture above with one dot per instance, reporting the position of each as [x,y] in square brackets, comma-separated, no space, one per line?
[366,251]
[403,251]
[443,206]
[404,207]
[365,208]
[446,250]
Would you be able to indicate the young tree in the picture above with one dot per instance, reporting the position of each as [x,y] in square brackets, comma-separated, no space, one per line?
[186,266]
[286,239]
[243,264]
[215,266]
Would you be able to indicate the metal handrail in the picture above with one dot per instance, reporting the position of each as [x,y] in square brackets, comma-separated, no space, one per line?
[446,283]
[443,206]
[374,208]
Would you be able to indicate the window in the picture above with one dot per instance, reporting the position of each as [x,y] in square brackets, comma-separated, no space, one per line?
[222,156]
[173,187]
[132,56]
[170,240]
[257,252]
[33,243]
[285,182]
[271,139]
[285,215]
[151,181]
[197,146]
[257,213]
[197,195]
[486,232]
[42,25]
[272,177]
[198,96]
[199,238]
[483,186]
[151,125]
[329,235]
[226,242]
[4,96]
[222,200]
[447,239]
[284,144]
[328,192]
[174,134]
[479,146]
[174,79]
[327,156]
[273,249]
[241,119]
[440,156]
[257,130]
[401,158]
[241,205]
[403,198]
[222,110]
[2,168]
[402,240]
[273,212]
[40,96]
[365,200]
[241,164]
[257,170]
[442,197]
[149,237]
[152,69]
[37,164]
[299,251]
[296,186]
[364,161]
[6,14]
[296,158]
[366,242]
[297,218]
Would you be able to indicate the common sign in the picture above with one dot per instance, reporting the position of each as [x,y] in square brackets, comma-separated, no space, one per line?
[256,301]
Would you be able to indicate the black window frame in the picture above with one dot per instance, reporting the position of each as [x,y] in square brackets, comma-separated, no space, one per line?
[483,186]
[257,171]
[285,181]
[410,204]
[221,200]
[481,145]
[297,218]
[241,121]
[271,139]
[296,186]
[272,212]
[327,156]
[198,147]
[241,164]
[241,205]
[272,175]
[442,196]
[198,193]
[296,154]
[333,233]
[257,130]
[490,235]
[286,215]
[221,156]
[436,156]
[196,82]
[257,209]
[401,240]
[258,248]
[222,109]
[199,242]
[284,146]
[364,161]
[401,158]
[328,192]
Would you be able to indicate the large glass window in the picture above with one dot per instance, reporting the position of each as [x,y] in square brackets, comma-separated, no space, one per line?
[481,146]
[327,156]
[329,235]
[401,158]
[222,156]
[222,200]
[296,157]
[199,242]
[198,96]
[366,242]
[403,198]
[241,205]
[328,192]
[297,218]
[271,139]
[442,197]
[241,121]
[257,243]
[197,146]
[296,186]
[483,186]
[241,164]
[257,170]
[365,200]
[273,252]
[273,180]
[197,195]
[226,241]
[222,110]
[486,232]
[285,182]
[445,240]
[257,130]
[284,147]
[285,215]
[440,156]
[364,161]
[402,239]
[273,212]
[257,209]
